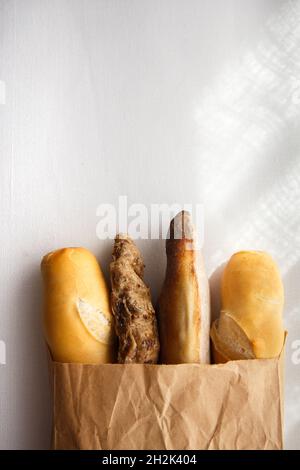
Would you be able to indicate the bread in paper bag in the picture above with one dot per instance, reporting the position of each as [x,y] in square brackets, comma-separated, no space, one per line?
[135,319]
[78,323]
[184,303]
[237,405]
[250,323]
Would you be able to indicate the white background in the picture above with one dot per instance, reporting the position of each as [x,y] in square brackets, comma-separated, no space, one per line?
[163,101]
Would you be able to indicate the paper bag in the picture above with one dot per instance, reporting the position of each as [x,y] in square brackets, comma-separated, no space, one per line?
[237,405]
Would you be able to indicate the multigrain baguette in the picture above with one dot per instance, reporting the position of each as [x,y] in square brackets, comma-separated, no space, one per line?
[135,319]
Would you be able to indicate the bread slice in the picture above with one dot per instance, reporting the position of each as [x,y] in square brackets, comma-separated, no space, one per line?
[184,304]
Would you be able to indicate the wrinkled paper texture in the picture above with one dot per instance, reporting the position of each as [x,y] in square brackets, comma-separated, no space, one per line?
[237,405]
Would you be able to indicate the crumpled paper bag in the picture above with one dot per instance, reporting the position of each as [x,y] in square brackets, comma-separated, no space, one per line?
[237,405]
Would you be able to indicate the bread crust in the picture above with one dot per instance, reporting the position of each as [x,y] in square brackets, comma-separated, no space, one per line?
[75,293]
[184,310]
[250,323]
[135,319]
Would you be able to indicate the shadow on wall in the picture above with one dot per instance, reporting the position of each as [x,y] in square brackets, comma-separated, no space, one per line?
[104,256]
[155,260]
[35,407]
[249,168]
[215,291]
[248,134]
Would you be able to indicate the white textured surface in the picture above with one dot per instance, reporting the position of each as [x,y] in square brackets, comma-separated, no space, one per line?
[162,100]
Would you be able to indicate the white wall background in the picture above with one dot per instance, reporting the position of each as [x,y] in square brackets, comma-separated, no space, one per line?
[163,101]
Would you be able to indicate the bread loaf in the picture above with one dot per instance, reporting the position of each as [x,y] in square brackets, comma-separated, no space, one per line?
[184,306]
[135,319]
[78,322]
[250,323]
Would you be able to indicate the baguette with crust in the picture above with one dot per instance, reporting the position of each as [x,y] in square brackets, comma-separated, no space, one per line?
[184,304]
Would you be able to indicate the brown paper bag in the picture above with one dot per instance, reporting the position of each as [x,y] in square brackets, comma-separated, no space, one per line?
[237,405]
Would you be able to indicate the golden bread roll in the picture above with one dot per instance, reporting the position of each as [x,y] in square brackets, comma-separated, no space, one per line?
[184,305]
[250,323]
[78,322]
[135,319]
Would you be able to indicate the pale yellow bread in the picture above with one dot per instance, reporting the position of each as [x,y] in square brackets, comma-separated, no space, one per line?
[250,323]
[78,322]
